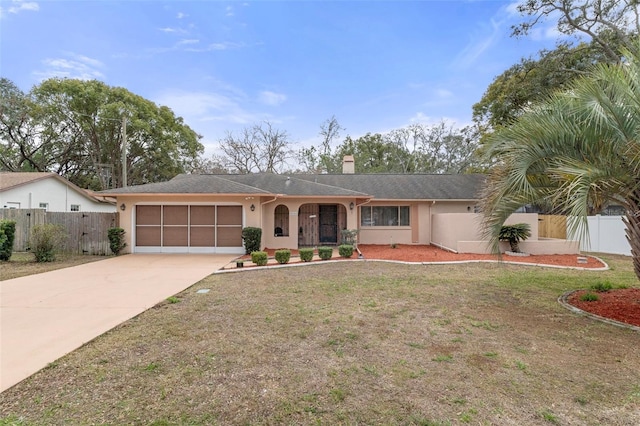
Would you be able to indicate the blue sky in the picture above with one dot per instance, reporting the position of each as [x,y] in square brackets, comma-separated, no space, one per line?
[222,66]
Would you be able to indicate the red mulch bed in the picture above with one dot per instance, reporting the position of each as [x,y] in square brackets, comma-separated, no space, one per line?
[423,253]
[621,304]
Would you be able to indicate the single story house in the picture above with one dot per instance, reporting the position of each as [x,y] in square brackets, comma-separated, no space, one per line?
[194,213]
[49,191]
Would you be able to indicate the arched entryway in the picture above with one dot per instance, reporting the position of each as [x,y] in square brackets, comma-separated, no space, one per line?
[320,224]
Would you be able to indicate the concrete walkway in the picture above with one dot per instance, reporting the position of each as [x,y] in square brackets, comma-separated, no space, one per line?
[45,316]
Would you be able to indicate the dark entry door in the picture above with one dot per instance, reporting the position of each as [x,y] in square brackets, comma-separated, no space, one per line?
[328,220]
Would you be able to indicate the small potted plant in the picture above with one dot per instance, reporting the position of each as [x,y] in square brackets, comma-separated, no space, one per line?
[239,263]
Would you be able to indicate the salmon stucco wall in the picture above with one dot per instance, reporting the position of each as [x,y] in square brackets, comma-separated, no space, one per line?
[462,233]
[293,205]
[419,232]
[262,216]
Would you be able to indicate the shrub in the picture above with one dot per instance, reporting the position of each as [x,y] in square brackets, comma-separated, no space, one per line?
[589,297]
[345,250]
[251,238]
[325,253]
[8,229]
[306,254]
[45,240]
[3,239]
[602,286]
[349,236]
[259,258]
[116,240]
[283,256]
[514,234]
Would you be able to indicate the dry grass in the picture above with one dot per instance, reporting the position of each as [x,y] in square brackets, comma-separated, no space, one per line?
[22,264]
[352,343]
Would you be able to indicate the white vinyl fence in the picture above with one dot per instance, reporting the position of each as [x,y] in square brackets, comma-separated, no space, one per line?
[606,235]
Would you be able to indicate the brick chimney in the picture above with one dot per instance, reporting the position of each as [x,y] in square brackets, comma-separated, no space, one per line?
[348,165]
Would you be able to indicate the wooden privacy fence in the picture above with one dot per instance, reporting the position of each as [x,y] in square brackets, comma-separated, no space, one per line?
[86,231]
[552,226]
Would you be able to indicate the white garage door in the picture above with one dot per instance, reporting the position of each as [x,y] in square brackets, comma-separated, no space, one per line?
[188,229]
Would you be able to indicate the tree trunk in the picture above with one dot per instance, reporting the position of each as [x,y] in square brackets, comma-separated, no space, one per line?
[632,225]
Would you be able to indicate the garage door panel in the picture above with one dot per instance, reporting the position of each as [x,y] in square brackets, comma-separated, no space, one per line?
[204,236]
[201,227]
[229,215]
[229,237]
[175,236]
[203,215]
[148,215]
[148,236]
[175,215]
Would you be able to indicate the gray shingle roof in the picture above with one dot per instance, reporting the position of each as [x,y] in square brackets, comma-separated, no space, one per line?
[408,186]
[380,186]
[294,186]
[191,184]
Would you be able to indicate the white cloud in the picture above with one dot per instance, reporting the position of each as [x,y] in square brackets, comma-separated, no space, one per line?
[512,9]
[215,47]
[438,97]
[17,6]
[196,105]
[181,15]
[271,98]
[491,33]
[224,45]
[443,93]
[422,118]
[188,41]
[229,11]
[213,114]
[474,50]
[210,107]
[73,65]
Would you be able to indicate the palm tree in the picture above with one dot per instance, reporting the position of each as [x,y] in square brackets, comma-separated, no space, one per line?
[581,144]
[514,234]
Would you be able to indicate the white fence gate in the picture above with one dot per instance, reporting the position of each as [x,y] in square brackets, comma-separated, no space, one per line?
[606,235]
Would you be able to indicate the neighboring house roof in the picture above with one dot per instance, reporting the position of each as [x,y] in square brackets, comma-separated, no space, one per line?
[12,180]
[379,186]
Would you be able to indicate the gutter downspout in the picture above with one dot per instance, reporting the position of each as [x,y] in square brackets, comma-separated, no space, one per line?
[360,256]
[433,203]
[267,202]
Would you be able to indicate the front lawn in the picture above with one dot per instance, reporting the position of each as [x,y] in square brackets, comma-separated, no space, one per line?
[22,264]
[353,343]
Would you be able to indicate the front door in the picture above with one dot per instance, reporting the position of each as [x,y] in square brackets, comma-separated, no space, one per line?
[328,220]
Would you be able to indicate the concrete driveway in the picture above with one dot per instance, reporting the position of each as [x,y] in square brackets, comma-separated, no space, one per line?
[45,316]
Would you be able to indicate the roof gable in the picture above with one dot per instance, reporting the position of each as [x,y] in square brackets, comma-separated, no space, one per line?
[13,180]
[10,180]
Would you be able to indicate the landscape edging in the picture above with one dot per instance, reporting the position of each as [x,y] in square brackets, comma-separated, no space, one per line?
[563,300]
